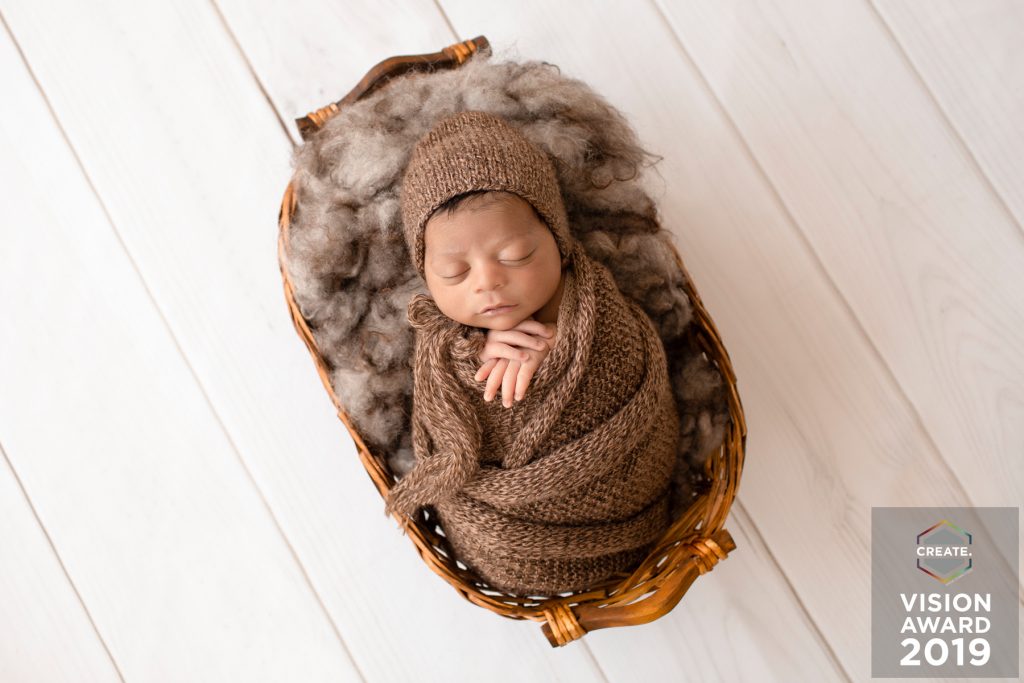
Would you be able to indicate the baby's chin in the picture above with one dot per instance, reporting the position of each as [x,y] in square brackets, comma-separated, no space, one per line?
[503,325]
[504,322]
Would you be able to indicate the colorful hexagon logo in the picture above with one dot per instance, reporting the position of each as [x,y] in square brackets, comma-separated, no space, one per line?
[944,552]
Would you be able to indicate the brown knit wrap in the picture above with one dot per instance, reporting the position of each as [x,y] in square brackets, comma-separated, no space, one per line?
[569,485]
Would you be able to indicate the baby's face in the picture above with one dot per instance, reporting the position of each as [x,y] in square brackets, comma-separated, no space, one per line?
[491,253]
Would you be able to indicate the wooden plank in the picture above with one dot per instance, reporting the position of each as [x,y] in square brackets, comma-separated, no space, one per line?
[928,259]
[191,163]
[745,605]
[160,528]
[831,432]
[45,632]
[970,55]
[308,54]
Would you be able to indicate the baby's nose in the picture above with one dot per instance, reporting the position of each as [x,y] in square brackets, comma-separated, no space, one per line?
[488,278]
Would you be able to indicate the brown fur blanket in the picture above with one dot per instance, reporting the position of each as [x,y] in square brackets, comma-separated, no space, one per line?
[572,483]
[353,279]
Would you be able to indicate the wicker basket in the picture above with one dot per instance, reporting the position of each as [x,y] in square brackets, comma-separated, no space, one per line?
[693,544]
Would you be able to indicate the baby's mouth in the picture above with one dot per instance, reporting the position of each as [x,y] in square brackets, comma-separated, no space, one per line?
[498,310]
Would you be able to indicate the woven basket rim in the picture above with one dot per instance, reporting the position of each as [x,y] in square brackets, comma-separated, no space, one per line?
[691,546]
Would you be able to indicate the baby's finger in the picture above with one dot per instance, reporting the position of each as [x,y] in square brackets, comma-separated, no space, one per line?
[494,381]
[485,369]
[534,327]
[523,380]
[522,339]
[497,349]
[508,383]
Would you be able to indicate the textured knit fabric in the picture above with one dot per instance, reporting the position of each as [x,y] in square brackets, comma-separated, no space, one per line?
[569,485]
[475,150]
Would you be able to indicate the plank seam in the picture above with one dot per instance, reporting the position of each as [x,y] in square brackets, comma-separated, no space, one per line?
[968,151]
[184,356]
[935,451]
[49,541]
[252,71]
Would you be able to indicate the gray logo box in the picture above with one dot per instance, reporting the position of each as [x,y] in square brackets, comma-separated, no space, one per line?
[944,592]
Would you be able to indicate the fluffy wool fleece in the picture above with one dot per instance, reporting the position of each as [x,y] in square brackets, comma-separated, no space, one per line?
[353,276]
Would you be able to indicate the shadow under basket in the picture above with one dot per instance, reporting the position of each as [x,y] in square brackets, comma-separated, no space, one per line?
[692,546]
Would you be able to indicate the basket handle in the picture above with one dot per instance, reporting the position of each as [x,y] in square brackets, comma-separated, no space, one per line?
[392,67]
[565,624]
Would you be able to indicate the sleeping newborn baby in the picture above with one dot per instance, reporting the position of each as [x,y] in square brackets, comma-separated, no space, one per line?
[508,280]
[564,483]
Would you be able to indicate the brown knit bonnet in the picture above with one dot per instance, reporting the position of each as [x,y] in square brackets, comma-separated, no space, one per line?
[476,150]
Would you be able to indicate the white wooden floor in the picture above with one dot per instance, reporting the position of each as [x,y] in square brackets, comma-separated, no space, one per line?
[178,501]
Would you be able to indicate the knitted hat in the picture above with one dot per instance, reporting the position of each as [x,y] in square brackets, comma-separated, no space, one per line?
[475,150]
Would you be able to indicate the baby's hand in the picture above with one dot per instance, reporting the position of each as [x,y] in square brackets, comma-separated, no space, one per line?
[511,358]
